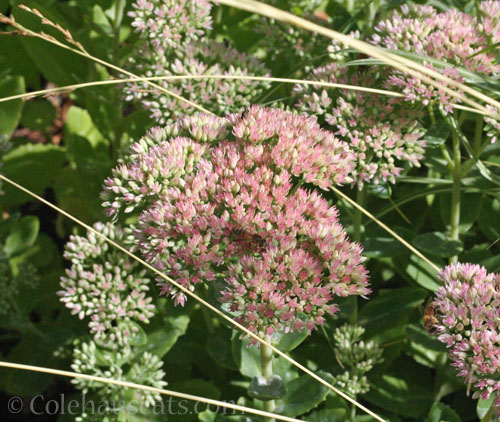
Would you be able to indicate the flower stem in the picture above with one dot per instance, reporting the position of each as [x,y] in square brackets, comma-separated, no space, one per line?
[455,194]
[358,219]
[352,417]
[266,363]
[360,199]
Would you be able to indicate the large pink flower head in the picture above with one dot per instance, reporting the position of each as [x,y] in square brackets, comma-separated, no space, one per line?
[228,206]
[468,311]
[452,37]
[383,134]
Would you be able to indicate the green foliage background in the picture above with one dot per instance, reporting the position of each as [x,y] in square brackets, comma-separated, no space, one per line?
[201,354]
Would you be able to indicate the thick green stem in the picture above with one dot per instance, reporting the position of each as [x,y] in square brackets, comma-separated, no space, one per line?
[350,6]
[372,12]
[455,194]
[266,363]
[357,221]
[352,417]
[360,199]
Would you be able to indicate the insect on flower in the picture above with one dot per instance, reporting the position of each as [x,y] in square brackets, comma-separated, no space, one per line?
[430,320]
[245,113]
[251,241]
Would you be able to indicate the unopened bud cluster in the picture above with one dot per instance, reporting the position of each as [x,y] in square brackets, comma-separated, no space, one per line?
[357,356]
[127,364]
[105,286]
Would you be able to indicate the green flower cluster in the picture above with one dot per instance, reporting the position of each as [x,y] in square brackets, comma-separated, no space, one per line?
[357,357]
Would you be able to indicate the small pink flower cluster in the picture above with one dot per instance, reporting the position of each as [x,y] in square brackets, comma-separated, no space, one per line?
[490,20]
[468,311]
[169,24]
[377,128]
[452,37]
[198,58]
[175,43]
[231,207]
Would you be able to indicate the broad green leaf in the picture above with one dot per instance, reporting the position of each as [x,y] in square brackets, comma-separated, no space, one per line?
[79,122]
[182,410]
[10,111]
[34,349]
[383,191]
[425,349]
[470,207]
[162,340]
[133,413]
[437,134]
[63,68]
[490,211]
[43,254]
[386,309]
[438,244]
[303,394]
[484,405]
[138,336]
[78,195]
[4,5]
[219,348]
[405,388]
[441,412]
[416,270]
[34,166]
[328,415]
[38,115]
[485,172]
[101,22]
[247,358]
[198,387]
[91,164]
[22,235]
[207,416]
[288,342]
[14,63]
[381,246]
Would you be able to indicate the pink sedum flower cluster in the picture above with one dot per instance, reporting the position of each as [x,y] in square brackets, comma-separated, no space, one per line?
[452,37]
[175,42]
[468,311]
[221,199]
[169,24]
[383,133]
[490,20]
